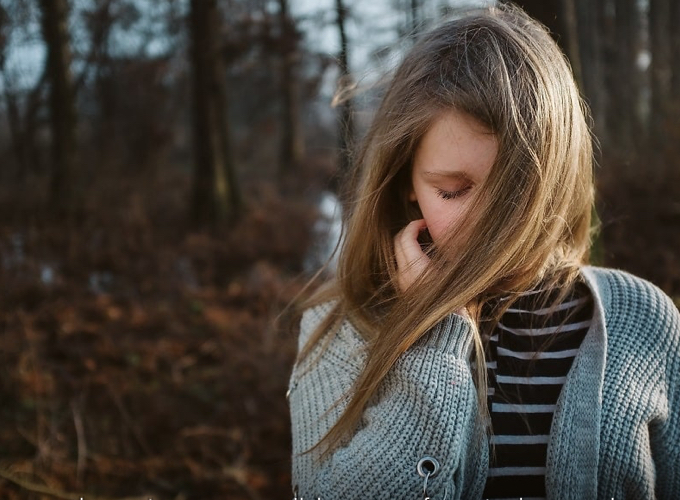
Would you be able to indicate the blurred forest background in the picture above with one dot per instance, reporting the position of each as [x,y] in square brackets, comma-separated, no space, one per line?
[166,187]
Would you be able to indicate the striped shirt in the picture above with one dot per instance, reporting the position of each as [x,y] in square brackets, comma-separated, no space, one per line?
[523,393]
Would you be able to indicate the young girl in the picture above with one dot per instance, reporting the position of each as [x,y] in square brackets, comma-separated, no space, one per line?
[465,348]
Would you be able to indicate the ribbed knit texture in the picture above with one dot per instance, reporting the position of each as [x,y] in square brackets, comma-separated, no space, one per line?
[615,431]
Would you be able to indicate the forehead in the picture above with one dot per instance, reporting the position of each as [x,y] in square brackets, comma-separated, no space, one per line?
[455,145]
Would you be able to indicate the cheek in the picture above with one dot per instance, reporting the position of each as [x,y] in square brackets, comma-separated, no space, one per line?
[439,217]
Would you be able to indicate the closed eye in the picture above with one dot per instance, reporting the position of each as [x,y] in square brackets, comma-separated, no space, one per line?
[449,195]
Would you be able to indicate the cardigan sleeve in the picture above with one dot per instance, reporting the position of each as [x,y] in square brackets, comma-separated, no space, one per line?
[425,409]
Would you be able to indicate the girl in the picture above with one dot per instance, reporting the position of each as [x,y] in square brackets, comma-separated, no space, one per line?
[465,348]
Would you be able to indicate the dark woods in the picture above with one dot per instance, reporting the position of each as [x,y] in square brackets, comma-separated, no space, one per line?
[626,58]
[161,168]
[156,208]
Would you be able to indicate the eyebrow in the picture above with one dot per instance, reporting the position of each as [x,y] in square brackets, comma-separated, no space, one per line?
[448,174]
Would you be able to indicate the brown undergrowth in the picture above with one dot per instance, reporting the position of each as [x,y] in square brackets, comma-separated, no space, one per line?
[139,358]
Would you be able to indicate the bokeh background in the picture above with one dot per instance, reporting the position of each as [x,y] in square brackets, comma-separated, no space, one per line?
[167,185]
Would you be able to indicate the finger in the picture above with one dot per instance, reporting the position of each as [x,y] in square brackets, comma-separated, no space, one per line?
[411,260]
[399,251]
[401,238]
[406,242]
[409,239]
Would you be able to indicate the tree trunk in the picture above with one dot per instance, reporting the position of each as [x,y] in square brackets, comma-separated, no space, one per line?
[346,127]
[660,37]
[106,133]
[23,127]
[292,145]
[589,25]
[215,194]
[626,86]
[675,51]
[62,104]
[416,16]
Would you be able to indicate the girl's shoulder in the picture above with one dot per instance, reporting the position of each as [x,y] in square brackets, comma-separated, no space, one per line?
[617,285]
[339,335]
[313,316]
[629,301]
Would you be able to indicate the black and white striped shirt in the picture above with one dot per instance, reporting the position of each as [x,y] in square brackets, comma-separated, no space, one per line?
[523,393]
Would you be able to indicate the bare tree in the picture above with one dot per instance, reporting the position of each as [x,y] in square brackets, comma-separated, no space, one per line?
[5,27]
[292,145]
[346,131]
[660,38]
[589,23]
[674,16]
[100,22]
[416,15]
[215,194]
[626,88]
[61,103]
[22,121]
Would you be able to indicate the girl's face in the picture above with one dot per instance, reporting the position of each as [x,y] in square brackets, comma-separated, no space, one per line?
[450,164]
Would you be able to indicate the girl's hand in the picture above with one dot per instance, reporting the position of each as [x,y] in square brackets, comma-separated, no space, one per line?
[411,260]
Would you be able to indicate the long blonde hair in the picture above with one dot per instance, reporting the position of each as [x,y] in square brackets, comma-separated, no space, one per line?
[531,219]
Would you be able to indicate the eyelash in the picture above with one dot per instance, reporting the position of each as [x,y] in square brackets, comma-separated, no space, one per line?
[449,195]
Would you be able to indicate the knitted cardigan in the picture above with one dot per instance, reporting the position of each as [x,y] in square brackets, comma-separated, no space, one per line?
[615,431]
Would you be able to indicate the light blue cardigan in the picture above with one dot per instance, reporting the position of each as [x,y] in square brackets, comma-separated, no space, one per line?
[615,431]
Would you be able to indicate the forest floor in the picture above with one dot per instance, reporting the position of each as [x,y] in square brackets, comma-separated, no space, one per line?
[140,359]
